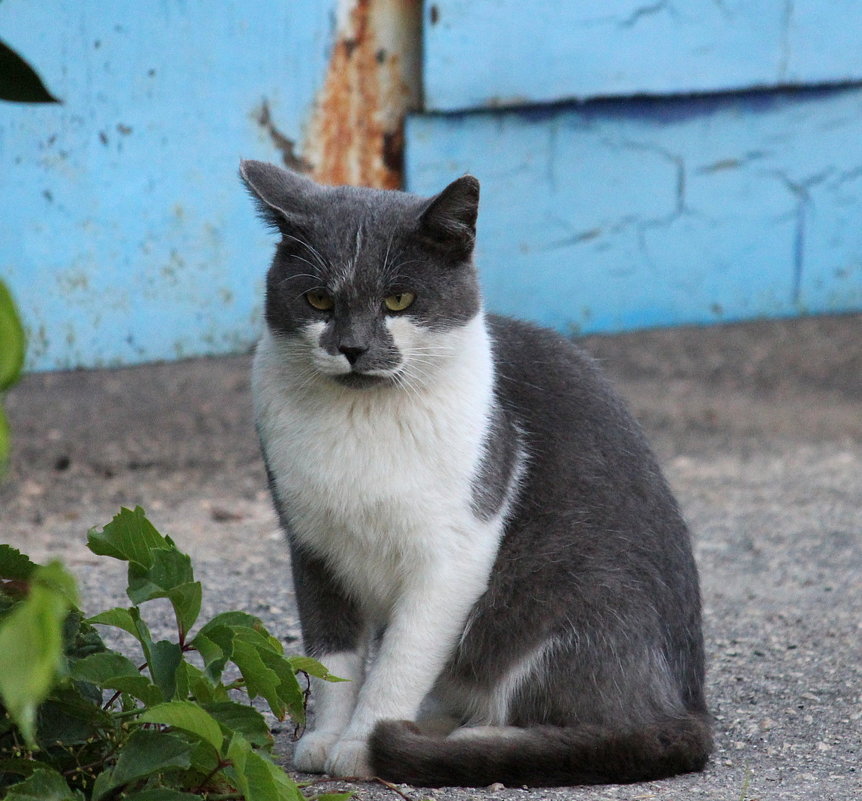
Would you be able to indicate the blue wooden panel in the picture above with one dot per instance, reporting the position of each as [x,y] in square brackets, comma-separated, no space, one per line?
[481,53]
[615,215]
[124,232]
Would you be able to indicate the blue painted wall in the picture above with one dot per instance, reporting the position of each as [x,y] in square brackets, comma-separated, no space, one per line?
[124,232]
[487,53]
[620,215]
[715,172]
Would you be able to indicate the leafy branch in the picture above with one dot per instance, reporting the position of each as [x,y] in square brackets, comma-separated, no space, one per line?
[170,729]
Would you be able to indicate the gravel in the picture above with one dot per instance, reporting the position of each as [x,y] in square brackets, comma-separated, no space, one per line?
[759,427]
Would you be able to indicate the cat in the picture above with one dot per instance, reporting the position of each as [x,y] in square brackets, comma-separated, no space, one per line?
[481,539]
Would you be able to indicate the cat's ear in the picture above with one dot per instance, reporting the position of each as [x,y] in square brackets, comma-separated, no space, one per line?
[448,221]
[283,198]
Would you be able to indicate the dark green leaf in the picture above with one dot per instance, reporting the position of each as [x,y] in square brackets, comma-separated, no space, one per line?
[288,688]
[257,778]
[70,716]
[19,81]
[43,785]
[260,680]
[215,645]
[232,620]
[190,718]
[80,639]
[14,564]
[244,719]
[145,752]
[167,569]
[139,687]
[259,638]
[129,537]
[161,794]
[97,668]
[165,658]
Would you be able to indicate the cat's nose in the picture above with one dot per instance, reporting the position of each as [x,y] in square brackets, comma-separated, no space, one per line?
[352,352]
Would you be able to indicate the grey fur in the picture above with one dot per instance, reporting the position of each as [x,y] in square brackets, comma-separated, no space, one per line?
[590,622]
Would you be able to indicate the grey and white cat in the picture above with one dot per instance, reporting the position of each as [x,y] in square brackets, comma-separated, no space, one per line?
[471,511]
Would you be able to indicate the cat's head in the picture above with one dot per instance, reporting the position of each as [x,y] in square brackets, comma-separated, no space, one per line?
[366,284]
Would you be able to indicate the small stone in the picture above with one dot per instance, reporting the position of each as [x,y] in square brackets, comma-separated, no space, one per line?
[497,786]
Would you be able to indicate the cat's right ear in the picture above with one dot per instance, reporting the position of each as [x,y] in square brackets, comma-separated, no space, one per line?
[282,197]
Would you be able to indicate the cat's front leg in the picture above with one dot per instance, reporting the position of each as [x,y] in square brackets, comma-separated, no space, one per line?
[333,706]
[332,631]
[424,628]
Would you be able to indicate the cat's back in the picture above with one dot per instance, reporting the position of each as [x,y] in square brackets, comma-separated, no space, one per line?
[556,391]
[587,458]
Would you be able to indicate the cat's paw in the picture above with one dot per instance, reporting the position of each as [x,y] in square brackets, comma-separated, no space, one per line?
[312,751]
[349,758]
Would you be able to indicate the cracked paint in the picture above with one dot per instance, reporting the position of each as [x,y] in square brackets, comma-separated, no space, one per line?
[661,212]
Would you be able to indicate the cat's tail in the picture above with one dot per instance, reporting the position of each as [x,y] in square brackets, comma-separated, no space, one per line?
[542,756]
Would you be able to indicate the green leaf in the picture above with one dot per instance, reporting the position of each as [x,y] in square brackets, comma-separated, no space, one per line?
[129,537]
[188,717]
[145,753]
[169,576]
[139,687]
[168,568]
[31,646]
[43,785]
[256,777]
[233,619]
[12,341]
[260,680]
[259,638]
[19,81]
[98,668]
[244,719]
[311,666]
[14,565]
[80,639]
[70,716]
[288,688]
[215,645]
[119,618]
[165,658]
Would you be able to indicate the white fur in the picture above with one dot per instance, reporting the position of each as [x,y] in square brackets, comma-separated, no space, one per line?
[378,483]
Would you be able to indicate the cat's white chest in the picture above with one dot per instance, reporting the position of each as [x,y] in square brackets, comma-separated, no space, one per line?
[379,483]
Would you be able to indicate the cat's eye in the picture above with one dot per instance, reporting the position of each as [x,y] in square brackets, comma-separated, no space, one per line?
[319,300]
[399,302]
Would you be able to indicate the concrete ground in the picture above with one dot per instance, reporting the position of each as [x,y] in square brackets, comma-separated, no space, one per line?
[759,427]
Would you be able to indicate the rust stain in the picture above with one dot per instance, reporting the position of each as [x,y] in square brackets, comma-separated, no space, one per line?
[356,134]
[287,146]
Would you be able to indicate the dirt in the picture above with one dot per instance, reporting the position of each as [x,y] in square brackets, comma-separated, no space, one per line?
[759,427]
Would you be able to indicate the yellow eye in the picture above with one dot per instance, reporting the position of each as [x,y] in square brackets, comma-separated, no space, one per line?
[399,302]
[319,300]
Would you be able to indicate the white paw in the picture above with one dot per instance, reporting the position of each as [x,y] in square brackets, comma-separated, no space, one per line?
[312,750]
[349,758]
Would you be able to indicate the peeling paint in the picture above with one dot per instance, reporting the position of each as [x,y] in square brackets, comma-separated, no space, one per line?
[356,132]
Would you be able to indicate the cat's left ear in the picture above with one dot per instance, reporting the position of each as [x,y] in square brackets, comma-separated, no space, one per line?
[448,221]
[282,197]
